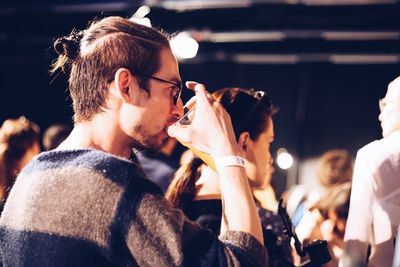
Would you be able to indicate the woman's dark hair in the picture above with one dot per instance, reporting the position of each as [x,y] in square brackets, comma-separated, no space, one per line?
[16,137]
[249,111]
[94,55]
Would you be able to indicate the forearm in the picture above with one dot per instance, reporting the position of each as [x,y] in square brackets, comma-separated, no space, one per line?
[239,210]
[212,132]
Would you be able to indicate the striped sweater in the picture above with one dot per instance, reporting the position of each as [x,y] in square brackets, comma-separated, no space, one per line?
[89,208]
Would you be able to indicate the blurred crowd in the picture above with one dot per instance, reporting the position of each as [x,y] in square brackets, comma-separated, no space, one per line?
[189,184]
[20,140]
[352,221]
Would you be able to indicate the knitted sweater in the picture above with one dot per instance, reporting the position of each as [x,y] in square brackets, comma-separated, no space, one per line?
[89,208]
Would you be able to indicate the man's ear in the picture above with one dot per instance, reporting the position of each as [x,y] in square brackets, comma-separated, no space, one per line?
[243,140]
[123,83]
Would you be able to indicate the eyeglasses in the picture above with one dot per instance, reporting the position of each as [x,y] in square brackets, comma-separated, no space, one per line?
[178,85]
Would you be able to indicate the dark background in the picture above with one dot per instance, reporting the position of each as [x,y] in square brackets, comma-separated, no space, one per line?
[324,104]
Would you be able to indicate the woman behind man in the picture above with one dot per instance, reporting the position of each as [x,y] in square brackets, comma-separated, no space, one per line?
[19,142]
[195,188]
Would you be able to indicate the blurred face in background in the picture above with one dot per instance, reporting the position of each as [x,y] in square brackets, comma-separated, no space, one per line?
[29,154]
[259,159]
[390,109]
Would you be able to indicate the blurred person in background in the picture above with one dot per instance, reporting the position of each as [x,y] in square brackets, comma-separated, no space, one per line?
[196,191]
[335,167]
[54,135]
[374,215]
[331,212]
[19,143]
[310,210]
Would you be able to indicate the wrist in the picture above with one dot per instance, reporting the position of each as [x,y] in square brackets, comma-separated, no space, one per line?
[228,150]
[228,161]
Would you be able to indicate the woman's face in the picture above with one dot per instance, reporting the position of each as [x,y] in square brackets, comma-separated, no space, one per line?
[259,159]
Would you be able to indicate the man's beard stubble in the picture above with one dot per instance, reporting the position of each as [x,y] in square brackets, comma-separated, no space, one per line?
[149,143]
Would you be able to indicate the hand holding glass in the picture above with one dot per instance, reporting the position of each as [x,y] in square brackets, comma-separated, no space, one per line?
[186,120]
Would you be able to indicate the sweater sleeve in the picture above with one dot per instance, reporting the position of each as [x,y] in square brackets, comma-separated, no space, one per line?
[162,236]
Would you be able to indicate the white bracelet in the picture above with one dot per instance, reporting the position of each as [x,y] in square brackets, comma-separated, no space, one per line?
[227,161]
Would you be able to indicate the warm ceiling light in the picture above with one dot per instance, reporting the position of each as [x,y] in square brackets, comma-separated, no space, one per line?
[184,46]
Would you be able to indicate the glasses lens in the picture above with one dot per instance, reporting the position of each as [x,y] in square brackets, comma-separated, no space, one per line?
[177,94]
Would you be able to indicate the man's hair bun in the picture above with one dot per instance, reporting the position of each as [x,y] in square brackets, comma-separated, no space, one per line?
[68,46]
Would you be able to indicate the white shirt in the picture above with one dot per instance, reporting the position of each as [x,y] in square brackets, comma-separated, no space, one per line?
[374,214]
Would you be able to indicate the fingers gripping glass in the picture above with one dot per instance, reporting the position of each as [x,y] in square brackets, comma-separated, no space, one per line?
[256,98]
[187,118]
[178,85]
[259,96]
[185,121]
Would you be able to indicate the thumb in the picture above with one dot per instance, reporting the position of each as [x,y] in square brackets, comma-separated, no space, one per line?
[180,133]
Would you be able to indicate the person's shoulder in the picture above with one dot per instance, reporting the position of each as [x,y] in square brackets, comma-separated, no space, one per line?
[106,164]
[82,158]
[380,152]
[370,146]
[383,145]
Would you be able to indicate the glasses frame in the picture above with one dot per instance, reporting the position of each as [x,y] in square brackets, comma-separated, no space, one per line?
[179,85]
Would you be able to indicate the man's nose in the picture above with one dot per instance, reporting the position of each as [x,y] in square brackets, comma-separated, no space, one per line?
[380,117]
[177,110]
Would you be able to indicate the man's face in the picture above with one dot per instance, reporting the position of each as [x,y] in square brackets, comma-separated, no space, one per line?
[390,109]
[155,112]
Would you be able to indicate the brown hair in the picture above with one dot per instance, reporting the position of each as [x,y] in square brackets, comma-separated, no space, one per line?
[335,199]
[94,55]
[55,135]
[249,111]
[335,167]
[16,137]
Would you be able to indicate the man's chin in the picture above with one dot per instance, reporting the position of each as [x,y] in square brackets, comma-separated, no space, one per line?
[164,136]
[153,148]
